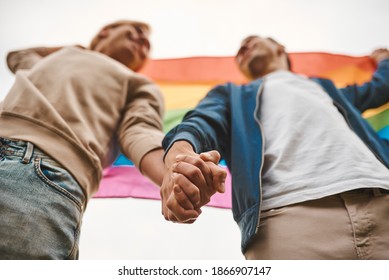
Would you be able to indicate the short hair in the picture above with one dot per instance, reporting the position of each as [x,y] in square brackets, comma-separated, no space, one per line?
[136,24]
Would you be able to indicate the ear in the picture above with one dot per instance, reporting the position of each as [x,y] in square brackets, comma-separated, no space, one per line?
[280,50]
[103,33]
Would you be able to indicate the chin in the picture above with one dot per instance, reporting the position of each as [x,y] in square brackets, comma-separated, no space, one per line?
[253,75]
[257,67]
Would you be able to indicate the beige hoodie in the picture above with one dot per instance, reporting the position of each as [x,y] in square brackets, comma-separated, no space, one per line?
[79,106]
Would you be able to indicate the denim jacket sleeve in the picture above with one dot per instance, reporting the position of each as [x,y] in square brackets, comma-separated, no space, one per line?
[371,94]
[207,126]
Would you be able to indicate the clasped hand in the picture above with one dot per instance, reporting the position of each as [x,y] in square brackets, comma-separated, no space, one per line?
[189,183]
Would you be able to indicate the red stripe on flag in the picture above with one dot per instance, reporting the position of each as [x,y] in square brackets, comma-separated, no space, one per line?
[222,69]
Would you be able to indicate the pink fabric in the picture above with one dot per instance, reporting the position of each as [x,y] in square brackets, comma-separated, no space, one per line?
[127,181]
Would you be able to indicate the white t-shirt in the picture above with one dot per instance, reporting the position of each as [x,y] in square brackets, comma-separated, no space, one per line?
[310,151]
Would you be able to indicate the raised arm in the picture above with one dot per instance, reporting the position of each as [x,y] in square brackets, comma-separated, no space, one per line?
[374,93]
[27,58]
[379,55]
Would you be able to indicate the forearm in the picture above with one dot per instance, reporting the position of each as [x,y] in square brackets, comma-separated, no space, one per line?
[152,166]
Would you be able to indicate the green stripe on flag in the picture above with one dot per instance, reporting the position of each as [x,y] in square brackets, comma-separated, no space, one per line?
[380,120]
[173,118]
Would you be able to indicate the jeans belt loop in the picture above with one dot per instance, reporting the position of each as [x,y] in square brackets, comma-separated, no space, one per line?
[29,150]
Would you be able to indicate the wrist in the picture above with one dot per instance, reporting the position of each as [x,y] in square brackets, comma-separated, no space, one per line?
[179,147]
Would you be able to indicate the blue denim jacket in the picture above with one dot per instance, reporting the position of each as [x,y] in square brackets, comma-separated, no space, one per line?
[226,120]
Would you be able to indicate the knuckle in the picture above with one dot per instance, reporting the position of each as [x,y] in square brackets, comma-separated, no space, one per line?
[170,204]
[200,163]
[171,217]
[195,173]
[193,192]
[180,216]
[196,161]
[216,155]
[219,172]
[180,180]
[182,200]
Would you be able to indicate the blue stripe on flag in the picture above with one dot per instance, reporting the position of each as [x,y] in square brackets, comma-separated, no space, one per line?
[122,160]
[384,133]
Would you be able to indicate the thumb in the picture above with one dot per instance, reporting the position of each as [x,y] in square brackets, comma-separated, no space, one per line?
[219,178]
[219,174]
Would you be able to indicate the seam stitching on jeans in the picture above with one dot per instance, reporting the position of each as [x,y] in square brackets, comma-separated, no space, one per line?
[56,187]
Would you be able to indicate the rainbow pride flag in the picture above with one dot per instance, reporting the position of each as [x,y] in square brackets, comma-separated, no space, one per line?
[185,81]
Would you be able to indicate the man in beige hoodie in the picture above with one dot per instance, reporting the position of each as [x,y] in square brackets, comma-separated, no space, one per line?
[60,125]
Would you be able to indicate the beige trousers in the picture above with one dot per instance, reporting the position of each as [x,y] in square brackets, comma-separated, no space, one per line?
[351,225]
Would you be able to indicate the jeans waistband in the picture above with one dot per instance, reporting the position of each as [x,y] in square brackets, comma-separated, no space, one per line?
[23,149]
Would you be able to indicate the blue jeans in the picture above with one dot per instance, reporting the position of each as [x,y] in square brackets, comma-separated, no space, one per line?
[41,205]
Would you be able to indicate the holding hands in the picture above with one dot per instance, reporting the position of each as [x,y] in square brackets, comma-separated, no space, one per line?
[190,182]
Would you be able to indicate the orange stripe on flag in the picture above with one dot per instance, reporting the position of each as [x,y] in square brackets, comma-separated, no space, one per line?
[183,95]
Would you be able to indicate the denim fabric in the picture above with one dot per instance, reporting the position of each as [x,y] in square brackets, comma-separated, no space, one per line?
[41,205]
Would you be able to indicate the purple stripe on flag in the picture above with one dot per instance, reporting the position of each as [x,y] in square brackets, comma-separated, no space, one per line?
[127,181]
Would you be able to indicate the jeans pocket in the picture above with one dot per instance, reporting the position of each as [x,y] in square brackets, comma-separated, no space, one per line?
[59,179]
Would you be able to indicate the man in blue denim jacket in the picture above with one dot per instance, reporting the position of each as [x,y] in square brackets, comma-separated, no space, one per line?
[310,176]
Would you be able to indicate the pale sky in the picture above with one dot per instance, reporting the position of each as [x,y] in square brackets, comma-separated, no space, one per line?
[134,228]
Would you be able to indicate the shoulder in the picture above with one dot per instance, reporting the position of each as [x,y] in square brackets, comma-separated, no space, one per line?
[137,81]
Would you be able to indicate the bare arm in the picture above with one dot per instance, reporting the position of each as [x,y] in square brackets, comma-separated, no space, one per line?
[153,167]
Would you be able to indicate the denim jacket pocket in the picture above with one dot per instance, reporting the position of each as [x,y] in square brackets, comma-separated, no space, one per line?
[60,180]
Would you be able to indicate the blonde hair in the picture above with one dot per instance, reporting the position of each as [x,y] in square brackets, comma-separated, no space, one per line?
[115,24]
